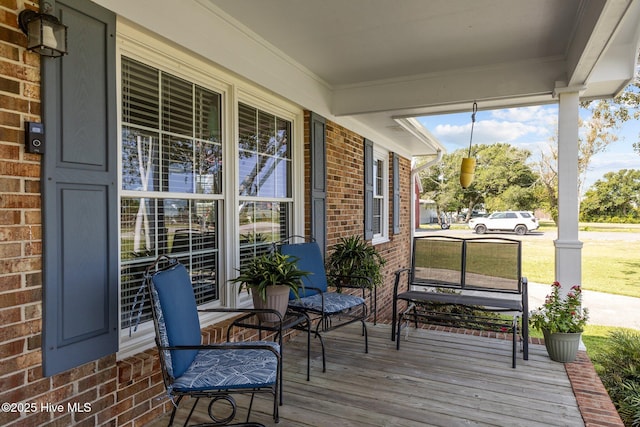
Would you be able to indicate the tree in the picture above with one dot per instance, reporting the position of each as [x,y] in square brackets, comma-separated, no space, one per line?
[616,195]
[597,132]
[598,135]
[547,169]
[441,184]
[626,106]
[503,180]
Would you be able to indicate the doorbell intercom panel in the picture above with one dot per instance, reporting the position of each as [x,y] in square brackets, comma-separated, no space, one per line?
[34,137]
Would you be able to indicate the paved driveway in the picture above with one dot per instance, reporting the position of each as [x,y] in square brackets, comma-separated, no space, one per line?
[604,309]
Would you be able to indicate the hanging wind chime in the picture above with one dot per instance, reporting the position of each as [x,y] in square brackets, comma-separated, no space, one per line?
[468,166]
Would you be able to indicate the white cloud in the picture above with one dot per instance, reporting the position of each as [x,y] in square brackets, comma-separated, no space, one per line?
[517,114]
[541,115]
[487,132]
[613,161]
[490,131]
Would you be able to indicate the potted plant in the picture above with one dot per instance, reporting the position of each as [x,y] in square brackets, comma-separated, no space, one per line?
[271,277]
[561,320]
[352,256]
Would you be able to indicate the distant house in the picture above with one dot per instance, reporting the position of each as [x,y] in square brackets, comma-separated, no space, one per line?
[428,211]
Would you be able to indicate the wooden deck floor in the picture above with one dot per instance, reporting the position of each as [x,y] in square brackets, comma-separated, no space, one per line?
[436,379]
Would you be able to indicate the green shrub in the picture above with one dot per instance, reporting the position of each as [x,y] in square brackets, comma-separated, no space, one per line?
[353,256]
[619,368]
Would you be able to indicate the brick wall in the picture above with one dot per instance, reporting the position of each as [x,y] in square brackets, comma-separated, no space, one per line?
[345,206]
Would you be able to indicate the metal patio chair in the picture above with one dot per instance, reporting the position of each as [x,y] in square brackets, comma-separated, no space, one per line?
[213,371]
[330,309]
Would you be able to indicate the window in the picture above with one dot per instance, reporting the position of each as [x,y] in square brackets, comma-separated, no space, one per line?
[380,195]
[264,192]
[205,165]
[171,169]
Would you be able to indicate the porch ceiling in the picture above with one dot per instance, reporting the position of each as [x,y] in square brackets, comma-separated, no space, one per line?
[384,59]
[367,62]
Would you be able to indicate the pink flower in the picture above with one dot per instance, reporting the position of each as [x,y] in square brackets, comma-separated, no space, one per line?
[560,313]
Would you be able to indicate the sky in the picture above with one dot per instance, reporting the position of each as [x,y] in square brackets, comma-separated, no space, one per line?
[530,128]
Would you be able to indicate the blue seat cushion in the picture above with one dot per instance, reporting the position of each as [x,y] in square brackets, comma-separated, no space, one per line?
[179,313]
[333,302]
[222,369]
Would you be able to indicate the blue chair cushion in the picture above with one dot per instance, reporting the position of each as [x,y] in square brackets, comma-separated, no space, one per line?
[225,369]
[309,259]
[162,332]
[333,302]
[179,315]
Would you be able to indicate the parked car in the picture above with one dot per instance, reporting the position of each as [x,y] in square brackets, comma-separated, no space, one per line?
[520,222]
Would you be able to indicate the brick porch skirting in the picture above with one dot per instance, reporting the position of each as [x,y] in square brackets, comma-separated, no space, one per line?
[593,400]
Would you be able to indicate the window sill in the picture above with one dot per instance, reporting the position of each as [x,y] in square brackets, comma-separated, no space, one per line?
[379,240]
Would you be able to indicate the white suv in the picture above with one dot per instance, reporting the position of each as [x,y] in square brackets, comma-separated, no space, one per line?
[521,222]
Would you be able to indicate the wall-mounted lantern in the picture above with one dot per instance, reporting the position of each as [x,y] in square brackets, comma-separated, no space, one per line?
[46,35]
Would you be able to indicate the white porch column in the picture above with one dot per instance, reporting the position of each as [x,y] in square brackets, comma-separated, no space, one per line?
[568,247]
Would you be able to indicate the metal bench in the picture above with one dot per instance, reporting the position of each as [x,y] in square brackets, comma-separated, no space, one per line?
[464,282]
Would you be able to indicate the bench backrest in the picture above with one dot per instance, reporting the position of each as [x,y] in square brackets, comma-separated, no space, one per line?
[437,261]
[485,264]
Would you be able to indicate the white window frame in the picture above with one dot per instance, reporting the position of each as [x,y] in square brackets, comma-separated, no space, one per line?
[381,155]
[142,46]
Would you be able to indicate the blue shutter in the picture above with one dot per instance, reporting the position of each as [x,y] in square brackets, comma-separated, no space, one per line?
[396,194]
[368,189]
[318,153]
[79,192]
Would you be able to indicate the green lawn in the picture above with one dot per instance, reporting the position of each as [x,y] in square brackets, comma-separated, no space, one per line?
[607,265]
[595,338]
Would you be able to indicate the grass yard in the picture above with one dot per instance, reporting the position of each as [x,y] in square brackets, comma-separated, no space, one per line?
[607,265]
[595,338]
